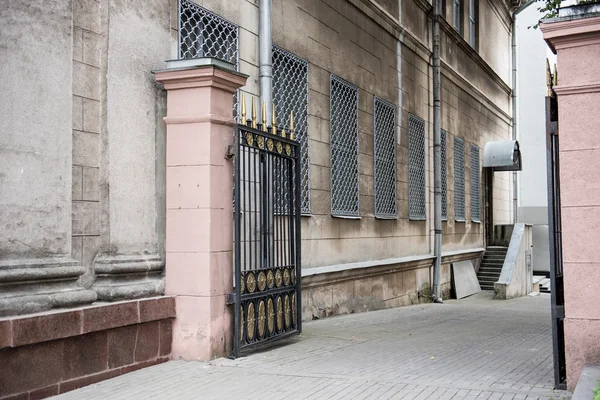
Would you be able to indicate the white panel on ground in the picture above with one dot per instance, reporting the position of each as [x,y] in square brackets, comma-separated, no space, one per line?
[465,279]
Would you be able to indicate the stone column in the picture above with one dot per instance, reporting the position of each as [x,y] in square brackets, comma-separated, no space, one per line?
[577,44]
[199,248]
[37,271]
[128,255]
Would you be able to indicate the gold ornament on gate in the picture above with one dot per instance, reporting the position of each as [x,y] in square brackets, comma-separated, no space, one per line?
[262,281]
[260,142]
[270,144]
[261,319]
[286,277]
[270,279]
[250,323]
[250,282]
[249,139]
[278,278]
[294,322]
[270,316]
[279,314]
[242,324]
[279,147]
[288,311]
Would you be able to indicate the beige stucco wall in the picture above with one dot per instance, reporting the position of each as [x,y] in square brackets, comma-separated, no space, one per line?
[355,42]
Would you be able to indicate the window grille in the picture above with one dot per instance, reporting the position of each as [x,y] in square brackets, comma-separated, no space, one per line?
[416,168]
[205,34]
[384,161]
[459,179]
[456,16]
[475,185]
[343,104]
[473,23]
[444,177]
[290,94]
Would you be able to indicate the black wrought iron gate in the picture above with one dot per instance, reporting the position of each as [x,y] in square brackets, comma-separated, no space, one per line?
[554,232]
[267,234]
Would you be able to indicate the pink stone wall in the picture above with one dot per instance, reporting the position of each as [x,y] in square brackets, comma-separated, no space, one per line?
[577,44]
[199,231]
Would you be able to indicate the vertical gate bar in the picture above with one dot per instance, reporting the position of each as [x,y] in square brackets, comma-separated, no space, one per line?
[257,203]
[296,165]
[248,213]
[277,213]
[237,234]
[241,204]
[291,211]
[281,205]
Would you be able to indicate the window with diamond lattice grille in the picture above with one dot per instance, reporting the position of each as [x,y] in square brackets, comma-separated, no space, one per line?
[444,177]
[475,185]
[344,148]
[416,168]
[384,137]
[205,34]
[459,179]
[290,94]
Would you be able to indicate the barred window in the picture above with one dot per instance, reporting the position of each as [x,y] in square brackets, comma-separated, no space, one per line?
[343,104]
[475,185]
[205,34]
[416,168]
[384,137]
[459,179]
[290,94]
[444,177]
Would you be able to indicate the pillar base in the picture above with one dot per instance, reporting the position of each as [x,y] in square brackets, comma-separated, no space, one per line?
[125,277]
[28,286]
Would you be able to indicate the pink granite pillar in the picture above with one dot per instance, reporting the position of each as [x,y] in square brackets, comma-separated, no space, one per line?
[577,44]
[199,242]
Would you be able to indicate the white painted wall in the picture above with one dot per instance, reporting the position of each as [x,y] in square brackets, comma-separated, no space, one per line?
[532,52]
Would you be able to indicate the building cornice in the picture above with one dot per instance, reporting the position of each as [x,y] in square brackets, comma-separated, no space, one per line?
[571,33]
[577,89]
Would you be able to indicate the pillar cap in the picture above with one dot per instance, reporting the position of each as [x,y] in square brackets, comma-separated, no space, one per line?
[200,72]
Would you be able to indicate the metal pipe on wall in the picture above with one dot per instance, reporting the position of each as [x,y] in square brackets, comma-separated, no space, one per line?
[437,155]
[265,56]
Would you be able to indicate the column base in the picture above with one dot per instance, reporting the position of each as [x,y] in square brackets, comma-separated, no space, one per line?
[28,286]
[125,277]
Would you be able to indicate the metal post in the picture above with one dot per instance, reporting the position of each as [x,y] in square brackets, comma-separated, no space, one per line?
[437,155]
[265,60]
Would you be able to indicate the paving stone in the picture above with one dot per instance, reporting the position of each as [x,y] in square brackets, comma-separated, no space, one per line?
[474,348]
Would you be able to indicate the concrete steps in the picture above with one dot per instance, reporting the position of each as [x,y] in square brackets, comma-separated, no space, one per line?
[491,266]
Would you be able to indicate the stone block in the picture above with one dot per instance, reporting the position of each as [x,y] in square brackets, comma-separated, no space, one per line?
[77,113]
[121,346]
[581,346]
[91,116]
[86,218]
[30,367]
[156,309]
[110,316]
[86,149]
[91,48]
[85,355]
[77,248]
[201,274]
[89,380]
[581,293]
[77,182]
[48,391]
[86,15]
[77,44]
[90,184]
[147,344]
[5,333]
[86,80]
[166,337]
[50,326]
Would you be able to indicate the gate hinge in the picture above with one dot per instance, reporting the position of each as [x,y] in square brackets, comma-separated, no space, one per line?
[231,299]
[230,151]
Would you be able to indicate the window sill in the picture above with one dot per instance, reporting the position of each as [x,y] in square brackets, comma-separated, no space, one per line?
[345,216]
[460,220]
[388,218]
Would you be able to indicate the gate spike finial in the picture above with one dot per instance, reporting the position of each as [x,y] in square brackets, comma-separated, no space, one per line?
[264,116]
[253,114]
[283,133]
[555,76]
[273,120]
[292,125]
[243,109]
[548,78]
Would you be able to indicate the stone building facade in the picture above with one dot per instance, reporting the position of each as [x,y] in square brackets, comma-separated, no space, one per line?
[83,173]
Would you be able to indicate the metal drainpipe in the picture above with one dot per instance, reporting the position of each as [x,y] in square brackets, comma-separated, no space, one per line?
[266,97]
[265,60]
[437,155]
[514,101]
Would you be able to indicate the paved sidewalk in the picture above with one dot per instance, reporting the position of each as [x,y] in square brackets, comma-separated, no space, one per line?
[476,348]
